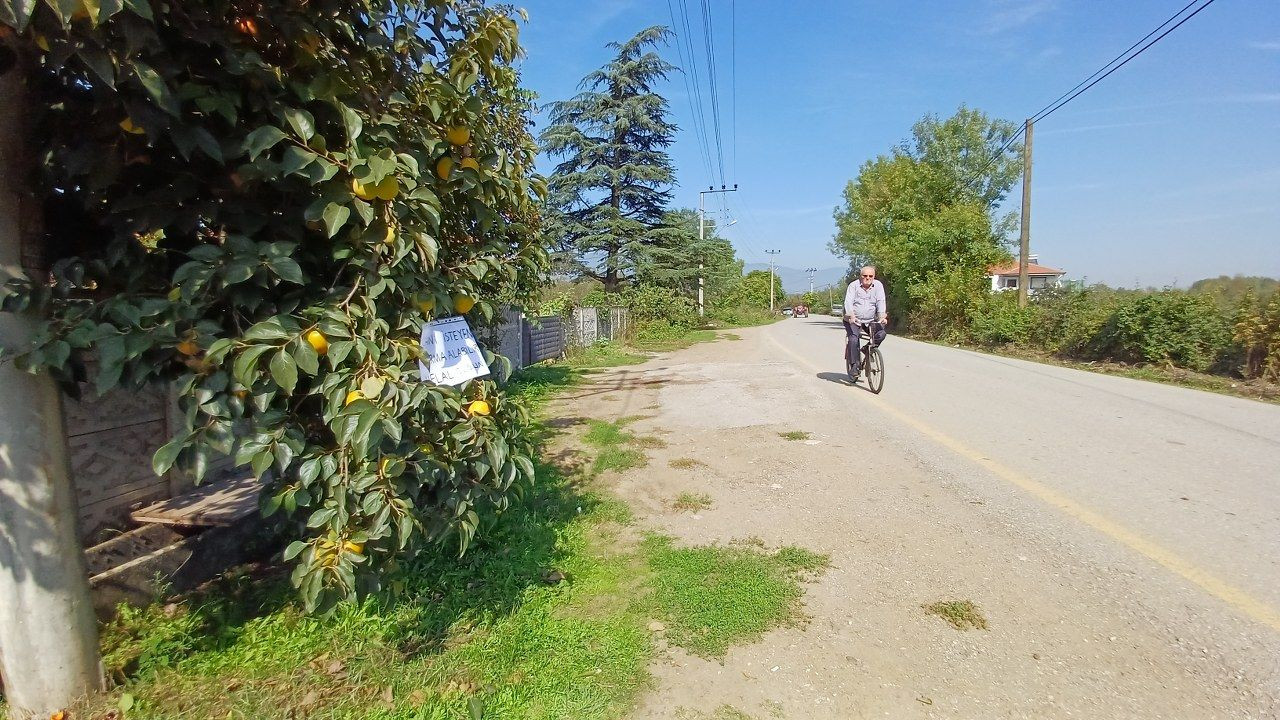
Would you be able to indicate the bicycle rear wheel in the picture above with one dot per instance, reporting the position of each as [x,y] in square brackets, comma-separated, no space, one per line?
[875,371]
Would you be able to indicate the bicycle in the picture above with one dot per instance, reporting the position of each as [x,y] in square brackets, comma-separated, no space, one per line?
[872,362]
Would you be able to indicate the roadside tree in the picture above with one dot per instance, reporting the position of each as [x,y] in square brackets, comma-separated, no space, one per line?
[609,192]
[261,204]
[925,215]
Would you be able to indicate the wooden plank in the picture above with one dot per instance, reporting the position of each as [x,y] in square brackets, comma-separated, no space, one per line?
[218,503]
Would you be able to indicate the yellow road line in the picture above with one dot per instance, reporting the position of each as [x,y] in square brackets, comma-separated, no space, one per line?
[1170,560]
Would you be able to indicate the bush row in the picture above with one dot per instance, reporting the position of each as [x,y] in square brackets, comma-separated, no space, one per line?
[1169,327]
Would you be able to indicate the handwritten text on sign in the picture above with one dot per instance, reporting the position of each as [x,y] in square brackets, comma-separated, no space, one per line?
[452,355]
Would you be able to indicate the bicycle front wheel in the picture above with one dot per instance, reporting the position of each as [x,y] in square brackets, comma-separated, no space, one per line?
[875,371]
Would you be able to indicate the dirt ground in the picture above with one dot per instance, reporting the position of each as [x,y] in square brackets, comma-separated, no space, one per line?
[1065,637]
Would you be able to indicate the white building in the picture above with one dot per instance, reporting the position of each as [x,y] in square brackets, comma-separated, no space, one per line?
[1005,277]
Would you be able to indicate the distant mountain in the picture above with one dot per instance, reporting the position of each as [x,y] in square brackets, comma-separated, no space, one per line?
[796,281]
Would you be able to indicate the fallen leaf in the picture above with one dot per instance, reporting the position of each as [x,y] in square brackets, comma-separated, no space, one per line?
[388,695]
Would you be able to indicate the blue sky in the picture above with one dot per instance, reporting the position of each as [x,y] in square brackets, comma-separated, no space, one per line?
[1165,172]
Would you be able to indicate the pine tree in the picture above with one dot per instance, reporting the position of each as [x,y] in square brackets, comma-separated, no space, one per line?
[609,193]
[677,258]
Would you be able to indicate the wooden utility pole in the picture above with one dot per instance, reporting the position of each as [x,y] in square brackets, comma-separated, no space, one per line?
[1024,245]
[48,633]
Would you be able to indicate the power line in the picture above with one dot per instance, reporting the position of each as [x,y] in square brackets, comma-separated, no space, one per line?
[700,137]
[1094,79]
[1045,114]
[1115,59]
[733,79]
[709,46]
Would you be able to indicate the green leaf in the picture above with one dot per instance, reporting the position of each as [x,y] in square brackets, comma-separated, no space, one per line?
[475,707]
[526,466]
[302,123]
[262,139]
[269,329]
[243,368]
[284,371]
[156,88]
[295,547]
[295,158]
[351,121]
[335,216]
[168,454]
[287,269]
[261,462]
[372,387]
[306,357]
[360,435]
[207,143]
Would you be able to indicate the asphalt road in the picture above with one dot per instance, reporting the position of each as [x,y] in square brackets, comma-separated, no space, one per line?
[1122,538]
[1177,486]
[1189,479]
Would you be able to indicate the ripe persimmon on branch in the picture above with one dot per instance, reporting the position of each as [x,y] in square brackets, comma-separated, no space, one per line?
[261,203]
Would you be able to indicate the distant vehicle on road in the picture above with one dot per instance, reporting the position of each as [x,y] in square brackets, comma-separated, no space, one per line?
[786,312]
[800,311]
[837,310]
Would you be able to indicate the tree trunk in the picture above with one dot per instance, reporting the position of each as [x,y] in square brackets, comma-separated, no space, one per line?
[611,278]
[48,634]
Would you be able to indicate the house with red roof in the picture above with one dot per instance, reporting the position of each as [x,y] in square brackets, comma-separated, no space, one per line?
[1005,277]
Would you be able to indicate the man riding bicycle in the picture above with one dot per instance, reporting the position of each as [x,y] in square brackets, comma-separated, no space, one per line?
[865,308]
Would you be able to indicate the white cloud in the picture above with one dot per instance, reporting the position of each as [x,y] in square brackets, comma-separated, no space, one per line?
[1012,14]
[1261,97]
[1265,45]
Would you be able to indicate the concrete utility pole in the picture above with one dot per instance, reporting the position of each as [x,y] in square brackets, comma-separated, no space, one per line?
[702,281]
[1024,246]
[48,633]
[771,254]
[811,271]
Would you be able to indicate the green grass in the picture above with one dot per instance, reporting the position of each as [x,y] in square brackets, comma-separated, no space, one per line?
[693,502]
[618,459]
[794,435]
[545,617]
[961,614]
[618,449]
[482,629]
[715,597]
[604,434]
[693,337]
[684,463]
[602,355]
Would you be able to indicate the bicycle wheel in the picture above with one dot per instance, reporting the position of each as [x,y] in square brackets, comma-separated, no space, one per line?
[875,371]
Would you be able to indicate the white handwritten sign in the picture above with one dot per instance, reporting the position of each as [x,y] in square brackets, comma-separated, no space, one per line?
[452,355]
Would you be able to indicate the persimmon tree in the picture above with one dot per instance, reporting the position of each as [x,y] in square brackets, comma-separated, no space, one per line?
[261,202]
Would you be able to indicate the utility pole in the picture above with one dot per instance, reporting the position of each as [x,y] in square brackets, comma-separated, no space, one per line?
[48,633]
[771,253]
[1024,246]
[702,280]
[811,271]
